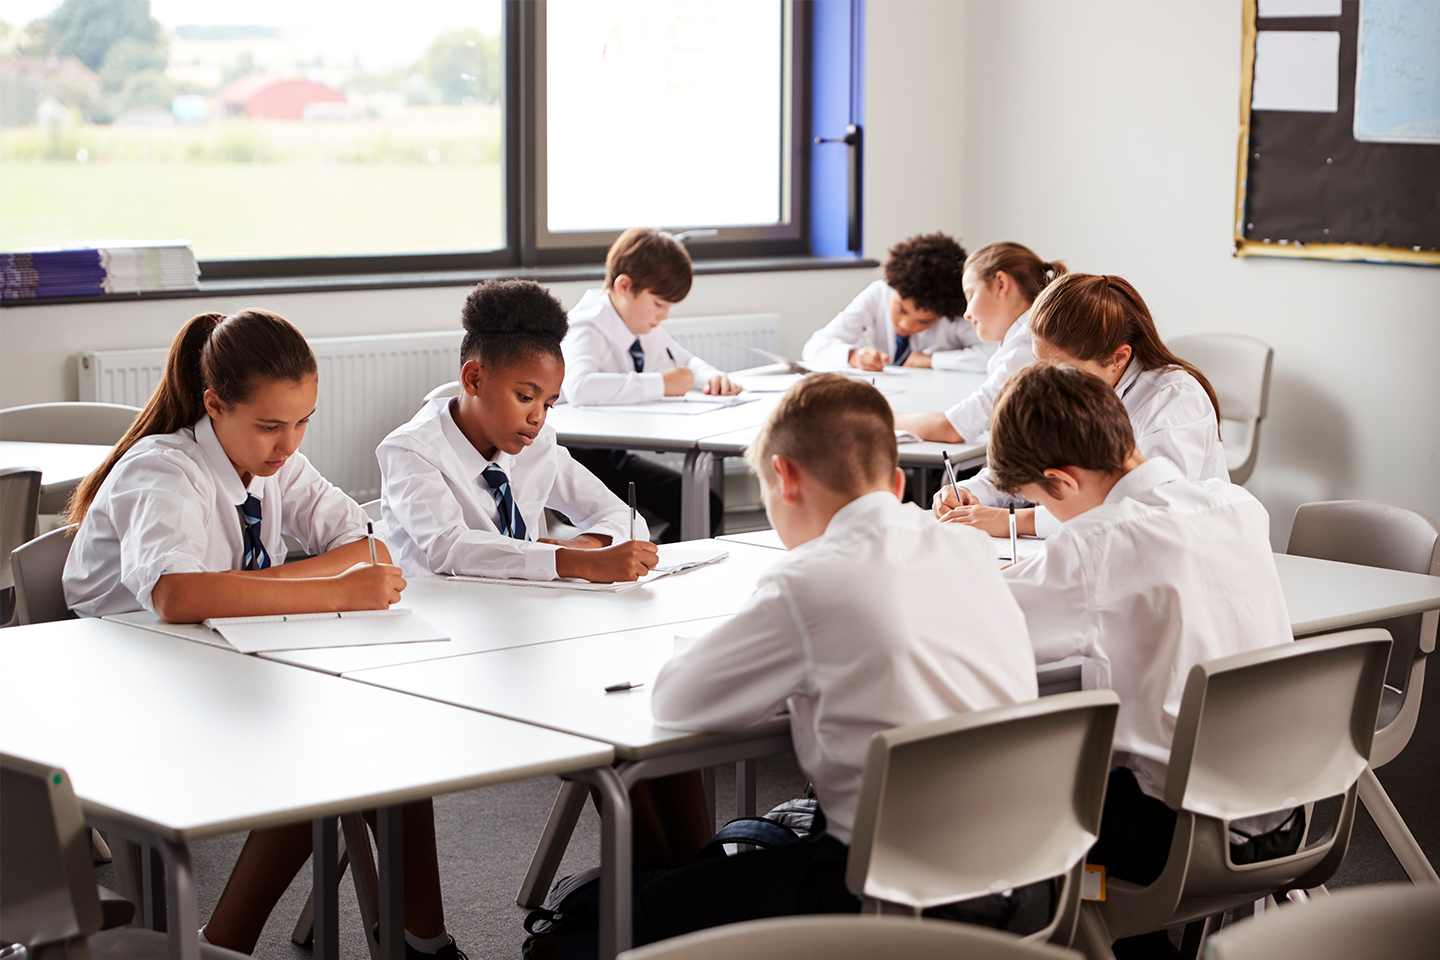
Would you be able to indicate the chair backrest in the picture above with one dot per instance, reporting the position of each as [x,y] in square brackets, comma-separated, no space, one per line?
[1237,366]
[982,802]
[451,389]
[98,423]
[841,937]
[19,510]
[1396,921]
[47,881]
[37,567]
[371,508]
[1275,728]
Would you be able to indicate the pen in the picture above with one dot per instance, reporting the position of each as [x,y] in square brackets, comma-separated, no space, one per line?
[632,509]
[950,473]
[1014,540]
[370,535]
[619,687]
[672,357]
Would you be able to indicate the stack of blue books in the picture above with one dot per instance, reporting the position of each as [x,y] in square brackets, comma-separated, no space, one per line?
[102,266]
[51,273]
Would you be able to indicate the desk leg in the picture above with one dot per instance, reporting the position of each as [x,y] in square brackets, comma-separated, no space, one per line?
[695,495]
[745,788]
[569,804]
[153,892]
[325,889]
[616,870]
[183,916]
[391,840]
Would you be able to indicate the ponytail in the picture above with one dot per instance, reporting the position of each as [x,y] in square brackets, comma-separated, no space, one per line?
[1089,317]
[229,355]
[1030,273]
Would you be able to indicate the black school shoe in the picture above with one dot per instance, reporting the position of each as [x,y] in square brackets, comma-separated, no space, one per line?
[448,952]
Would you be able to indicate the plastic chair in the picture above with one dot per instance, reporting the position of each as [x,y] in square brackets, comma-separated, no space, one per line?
[1396,538]
[19,516]
[983,802]
[372,509]
[451,389]
[97,423]
[1392,920]
[1258,732]
[842,937]
[38,566]
[51,904]
[1238,367]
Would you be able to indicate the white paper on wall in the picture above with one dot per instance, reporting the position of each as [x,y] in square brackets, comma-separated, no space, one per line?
[1299,8]
[1297,71]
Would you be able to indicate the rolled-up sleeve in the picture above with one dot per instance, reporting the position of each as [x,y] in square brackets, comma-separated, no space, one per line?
[164,528]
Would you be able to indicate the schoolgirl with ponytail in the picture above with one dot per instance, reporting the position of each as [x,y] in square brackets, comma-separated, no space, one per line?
[185,518]
[1101,325]
[1000,282]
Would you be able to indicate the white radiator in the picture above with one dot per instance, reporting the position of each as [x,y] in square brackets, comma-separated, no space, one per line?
[371,385]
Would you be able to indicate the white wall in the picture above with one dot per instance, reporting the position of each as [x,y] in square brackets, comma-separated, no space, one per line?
[1104,134]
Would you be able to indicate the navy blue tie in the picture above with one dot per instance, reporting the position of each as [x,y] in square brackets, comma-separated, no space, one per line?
[637,354]
[511,523]
[902,350]
[255,556]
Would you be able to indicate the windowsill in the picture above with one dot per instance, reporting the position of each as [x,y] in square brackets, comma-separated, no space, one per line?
[447,278]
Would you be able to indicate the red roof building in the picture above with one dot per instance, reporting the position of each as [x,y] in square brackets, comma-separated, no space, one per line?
[266,98]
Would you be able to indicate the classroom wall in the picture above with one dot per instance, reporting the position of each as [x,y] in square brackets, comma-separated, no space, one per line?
[1105,134]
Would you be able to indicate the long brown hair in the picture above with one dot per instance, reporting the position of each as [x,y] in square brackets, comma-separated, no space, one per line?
[1089,317]
[229,355]
[1028,271]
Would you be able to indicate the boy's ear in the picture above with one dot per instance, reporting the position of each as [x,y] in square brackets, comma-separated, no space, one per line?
[789,476]
[1066,479]
[472,374]
[898,484]
[623,285]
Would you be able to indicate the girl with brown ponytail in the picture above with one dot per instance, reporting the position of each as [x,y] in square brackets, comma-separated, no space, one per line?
[1100,324]
[185,519]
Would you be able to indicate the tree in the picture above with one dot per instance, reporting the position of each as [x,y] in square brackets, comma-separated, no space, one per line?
[89,28]
[463,63]
[131,55]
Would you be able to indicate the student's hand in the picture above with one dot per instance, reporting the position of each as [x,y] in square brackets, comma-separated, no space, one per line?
[723,386]
[946,500]
[370,586]
[585,541]
[917,359]
[678,381]
[626,561]
[992,520]
[868,358]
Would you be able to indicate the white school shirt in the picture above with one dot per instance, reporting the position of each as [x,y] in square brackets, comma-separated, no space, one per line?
[598,365]
[442,514]
[1165,574]
[971,416]
[950,342]
[856,632]
[171,505]
[1171,416]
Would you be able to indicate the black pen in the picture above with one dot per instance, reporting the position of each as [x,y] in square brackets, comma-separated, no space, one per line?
[671,355]
[950,473]
[621,687]
[632,509]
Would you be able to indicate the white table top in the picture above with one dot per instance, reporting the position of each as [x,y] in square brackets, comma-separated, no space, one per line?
[60,463]
[185,740]
[1324,596]
[597,426]
[484,616]
[562,686]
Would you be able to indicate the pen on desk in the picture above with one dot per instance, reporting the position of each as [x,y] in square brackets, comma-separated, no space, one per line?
[1014,540]
[632,509]
[619,687]
[370,535]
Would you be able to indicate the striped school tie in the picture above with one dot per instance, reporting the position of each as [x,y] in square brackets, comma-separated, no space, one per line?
[255,556]
[902,350]
[637,354]
[511,523]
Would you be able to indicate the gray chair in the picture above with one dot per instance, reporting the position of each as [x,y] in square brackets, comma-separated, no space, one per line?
[38,566]
[95,423]
[372,509]
[1238,367]
[50,903]
[1258,732]
[983,802]
[19,516]
[841,937]
[1394,921]
[451,389]
[1396,538]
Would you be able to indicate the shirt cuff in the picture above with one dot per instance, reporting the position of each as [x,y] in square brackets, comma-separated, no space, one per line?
[540,561]
[654,385]
[142,582]
[1046,524]
[964,425]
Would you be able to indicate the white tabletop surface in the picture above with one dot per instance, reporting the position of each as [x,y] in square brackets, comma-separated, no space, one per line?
[59,463]
[486,616]
[186,741]
[657,431]
[1324,596]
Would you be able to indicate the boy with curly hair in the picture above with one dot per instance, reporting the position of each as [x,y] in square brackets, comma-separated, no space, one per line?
[915,317]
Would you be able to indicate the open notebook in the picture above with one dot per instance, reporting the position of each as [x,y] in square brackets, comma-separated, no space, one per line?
[674,558]
[301,631]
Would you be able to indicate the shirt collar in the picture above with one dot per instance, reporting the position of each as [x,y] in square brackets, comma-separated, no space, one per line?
[472,462]
[608,320]
[229,480]
[1147,476]
[1128,378]
[1020,328]
[857,512]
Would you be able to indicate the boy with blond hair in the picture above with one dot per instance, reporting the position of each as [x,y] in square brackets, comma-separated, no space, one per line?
[853,632]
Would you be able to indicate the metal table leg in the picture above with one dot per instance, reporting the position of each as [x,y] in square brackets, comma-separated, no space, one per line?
[616,869]
[390,837]
[695,495]
[325,889]
[551,848]
[183,914]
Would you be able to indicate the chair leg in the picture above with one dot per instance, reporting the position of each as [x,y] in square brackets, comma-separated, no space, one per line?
[99,849]
[1196,933]
[1394,830]
[128,860]
[1092,934]
[304,932]
[569,804]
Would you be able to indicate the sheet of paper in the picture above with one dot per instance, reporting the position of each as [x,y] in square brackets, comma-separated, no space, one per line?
[582,585]
[1029,547]
[1397,74]
[146,620]
[686,406]
[1299,8]
[356,628]
[778,383]
[675,557]
[905,436]
[1297,71]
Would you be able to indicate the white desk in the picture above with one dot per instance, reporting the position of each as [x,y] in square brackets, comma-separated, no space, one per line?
[204,742]
[61,465]
[1324,596]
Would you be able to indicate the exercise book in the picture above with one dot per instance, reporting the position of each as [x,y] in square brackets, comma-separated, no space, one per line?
[302,631]
[674,558]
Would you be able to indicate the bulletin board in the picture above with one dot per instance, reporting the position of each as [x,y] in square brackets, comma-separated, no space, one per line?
[1315,177]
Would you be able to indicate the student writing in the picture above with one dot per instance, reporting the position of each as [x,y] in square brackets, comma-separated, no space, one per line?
[913,317]
[1000,282]
[185,519]
[1100,324]
[465,484]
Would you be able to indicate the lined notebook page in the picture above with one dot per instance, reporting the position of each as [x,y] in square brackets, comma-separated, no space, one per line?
[310,631]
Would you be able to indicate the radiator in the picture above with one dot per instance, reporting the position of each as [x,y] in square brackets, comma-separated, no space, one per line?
[371,385]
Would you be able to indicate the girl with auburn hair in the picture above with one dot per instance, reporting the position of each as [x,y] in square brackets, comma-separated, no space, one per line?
[1000,282]
[185,519]
[1100,324]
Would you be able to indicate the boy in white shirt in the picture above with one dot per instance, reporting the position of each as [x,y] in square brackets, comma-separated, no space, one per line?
[1149,574]
[853,632]
[616,352]
[915,317]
